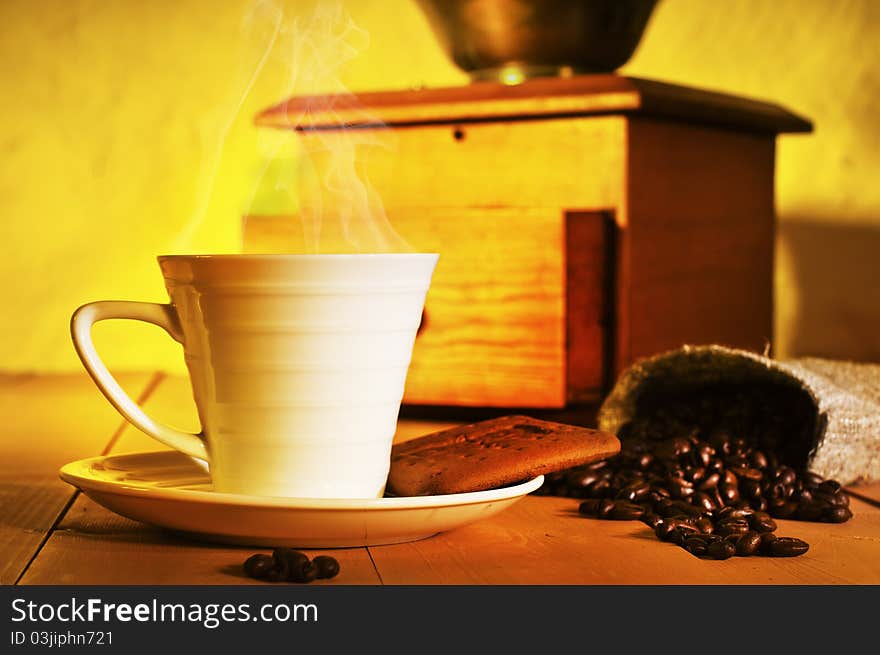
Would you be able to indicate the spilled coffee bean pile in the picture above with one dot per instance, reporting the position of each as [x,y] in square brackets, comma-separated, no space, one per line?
[697,483]
[288,565]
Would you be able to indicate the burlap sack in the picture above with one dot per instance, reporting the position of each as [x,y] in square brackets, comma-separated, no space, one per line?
[844,440]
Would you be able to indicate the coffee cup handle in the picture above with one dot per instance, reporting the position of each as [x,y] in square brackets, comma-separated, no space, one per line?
[165,317]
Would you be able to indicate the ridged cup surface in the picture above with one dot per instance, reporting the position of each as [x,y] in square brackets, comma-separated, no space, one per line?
[298,365]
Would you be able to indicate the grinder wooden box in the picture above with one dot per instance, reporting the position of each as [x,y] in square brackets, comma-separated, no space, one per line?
[581,223]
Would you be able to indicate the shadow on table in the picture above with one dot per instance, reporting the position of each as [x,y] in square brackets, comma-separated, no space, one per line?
[640,531]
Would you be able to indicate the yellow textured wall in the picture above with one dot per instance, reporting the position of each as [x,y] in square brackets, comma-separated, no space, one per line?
[818,58]
[125,132]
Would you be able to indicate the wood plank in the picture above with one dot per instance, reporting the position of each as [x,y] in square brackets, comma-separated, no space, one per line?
[93,545]
[48,421]
[542,540]
[577,95]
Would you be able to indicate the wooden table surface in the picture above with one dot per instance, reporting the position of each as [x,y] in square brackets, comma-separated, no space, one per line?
[52,534]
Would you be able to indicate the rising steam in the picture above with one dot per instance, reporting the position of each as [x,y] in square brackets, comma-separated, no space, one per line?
[338,205]
[328,189]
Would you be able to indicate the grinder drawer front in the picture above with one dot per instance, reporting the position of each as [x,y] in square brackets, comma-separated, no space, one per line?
[514,316]
[494,326]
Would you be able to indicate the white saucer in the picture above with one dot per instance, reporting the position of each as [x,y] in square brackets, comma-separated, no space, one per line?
[173,491]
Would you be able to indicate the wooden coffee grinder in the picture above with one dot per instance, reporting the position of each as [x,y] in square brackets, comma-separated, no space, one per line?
[582,222]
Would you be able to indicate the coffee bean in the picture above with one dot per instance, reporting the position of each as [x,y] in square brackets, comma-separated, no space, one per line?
[580,479]
[623,511]
[811,510]
[279,572]
[651,519]
[709,482]
[677,537]
[787,547]
[683,510]
[677,521]
[589,507]
[829,487]
[837,515]
[731,526]
[663,530]
[812,480]
[750,489]
[730,493]
[635,491]
[687,529]
[721,550]
[327,567]
[804,495]
[786,475]
[680,488]
[704,525]
[705,501]
[735,513]
[762,522]
[662,492]
[767,540]
[688,509]
[288,565]
[784,509]
[672,448]
[705,452]
[604,508]
[303,572]
[758,459]
[729,479]
[748,543]
[292,557]
[839,499]
[751,474]
[257,566]
[778,491]
[696,546]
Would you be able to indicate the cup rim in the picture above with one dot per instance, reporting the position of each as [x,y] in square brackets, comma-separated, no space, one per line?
[293,256]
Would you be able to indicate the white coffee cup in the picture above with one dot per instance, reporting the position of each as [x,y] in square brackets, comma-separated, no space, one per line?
[297,364]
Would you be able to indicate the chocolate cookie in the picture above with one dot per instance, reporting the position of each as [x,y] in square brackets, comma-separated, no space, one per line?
[492,454]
